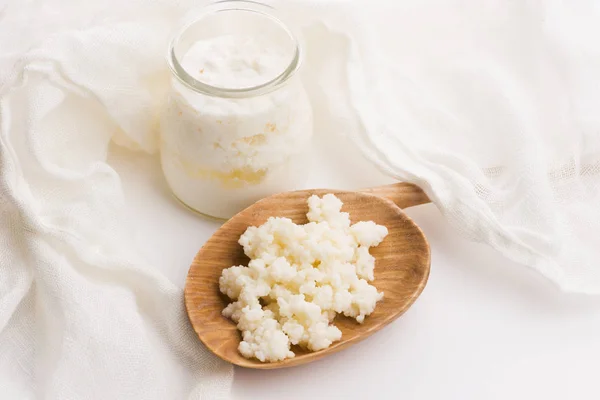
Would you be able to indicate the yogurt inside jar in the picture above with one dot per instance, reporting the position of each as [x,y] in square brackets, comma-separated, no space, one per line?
[238,123]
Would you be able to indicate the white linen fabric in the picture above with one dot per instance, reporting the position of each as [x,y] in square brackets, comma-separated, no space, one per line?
[489,106]
[82,315]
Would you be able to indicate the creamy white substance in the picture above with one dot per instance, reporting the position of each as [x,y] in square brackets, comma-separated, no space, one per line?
[299,278]
[219,154]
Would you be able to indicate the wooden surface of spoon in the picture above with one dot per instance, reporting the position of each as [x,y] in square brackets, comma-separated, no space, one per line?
[401,267]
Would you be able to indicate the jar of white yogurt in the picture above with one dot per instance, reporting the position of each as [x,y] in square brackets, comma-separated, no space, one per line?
[238,123]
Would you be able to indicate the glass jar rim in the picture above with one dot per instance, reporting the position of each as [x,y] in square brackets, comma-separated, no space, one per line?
[196,85]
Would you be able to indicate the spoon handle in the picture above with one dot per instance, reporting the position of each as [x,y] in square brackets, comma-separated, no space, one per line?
[403,194]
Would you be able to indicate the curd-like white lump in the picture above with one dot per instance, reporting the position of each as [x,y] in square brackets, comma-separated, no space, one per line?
[299,278]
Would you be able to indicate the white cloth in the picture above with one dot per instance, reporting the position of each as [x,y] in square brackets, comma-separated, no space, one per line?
[489,106]
[82,315]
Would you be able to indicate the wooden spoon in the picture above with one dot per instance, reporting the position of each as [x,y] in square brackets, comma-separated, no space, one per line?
[401,268]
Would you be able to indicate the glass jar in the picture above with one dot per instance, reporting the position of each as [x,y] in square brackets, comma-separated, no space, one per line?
[238,123]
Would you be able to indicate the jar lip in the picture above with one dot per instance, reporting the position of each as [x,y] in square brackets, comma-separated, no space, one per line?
[216,91]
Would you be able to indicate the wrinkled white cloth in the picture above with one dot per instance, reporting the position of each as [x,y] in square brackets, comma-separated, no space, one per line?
[82,315]
[489,106]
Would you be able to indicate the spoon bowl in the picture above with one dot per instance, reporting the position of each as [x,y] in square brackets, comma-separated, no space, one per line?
[401,267]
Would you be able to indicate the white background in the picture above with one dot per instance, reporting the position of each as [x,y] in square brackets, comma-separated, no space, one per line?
[484,327]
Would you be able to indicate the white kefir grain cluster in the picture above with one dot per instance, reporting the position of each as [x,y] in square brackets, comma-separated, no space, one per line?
[299,278]
[220,154]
